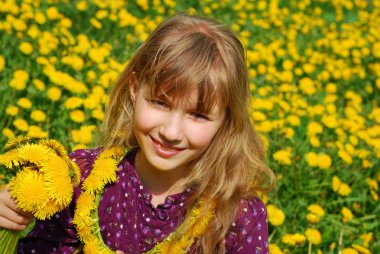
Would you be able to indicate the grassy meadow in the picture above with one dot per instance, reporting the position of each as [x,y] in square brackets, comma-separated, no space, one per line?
[315,78]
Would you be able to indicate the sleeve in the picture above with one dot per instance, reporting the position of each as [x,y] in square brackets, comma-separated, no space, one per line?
[249,232]
[58,234]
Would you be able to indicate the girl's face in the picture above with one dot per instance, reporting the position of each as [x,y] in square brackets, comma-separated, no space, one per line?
[171,135]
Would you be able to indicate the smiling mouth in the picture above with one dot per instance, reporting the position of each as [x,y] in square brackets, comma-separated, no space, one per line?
[165,150]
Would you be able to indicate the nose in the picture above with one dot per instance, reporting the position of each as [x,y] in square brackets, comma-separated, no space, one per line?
[171,129]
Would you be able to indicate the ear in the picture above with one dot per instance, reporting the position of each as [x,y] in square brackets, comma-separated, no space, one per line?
[133,87]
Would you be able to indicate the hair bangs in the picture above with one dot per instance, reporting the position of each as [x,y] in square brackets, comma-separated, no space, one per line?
[195,66]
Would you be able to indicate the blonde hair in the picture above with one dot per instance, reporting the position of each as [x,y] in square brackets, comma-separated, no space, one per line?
[183,54]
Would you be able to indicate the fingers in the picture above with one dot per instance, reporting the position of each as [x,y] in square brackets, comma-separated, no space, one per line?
[11,217]
[119,252]
[8,224]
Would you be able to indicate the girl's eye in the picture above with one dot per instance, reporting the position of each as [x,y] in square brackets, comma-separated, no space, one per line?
[158,102]
[199,116]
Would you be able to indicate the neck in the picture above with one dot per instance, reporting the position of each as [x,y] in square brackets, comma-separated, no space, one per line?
[158,182]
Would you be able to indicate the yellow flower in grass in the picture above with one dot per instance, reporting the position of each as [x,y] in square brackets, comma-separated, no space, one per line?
[24,103]
[8,133]
[36,132]
[324,161]
[274,249]
[313,236]
[372,184]
[28,190]
[77,116]
[21,124]
[312,159]
[38,115]
[54,93]
[52,13]
[366,238]
[39,84]
[26,48]
[73,102]
[293,239]
[315,213]
[95,23]
[344,189]
[361,249]
[12,110]
[83,135]
[345,156]
[307,86]
[275,215]
[314,128]
[283,156]
[349,251]
[2,63]
[347,214]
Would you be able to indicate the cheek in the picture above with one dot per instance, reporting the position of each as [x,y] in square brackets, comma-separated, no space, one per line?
[201,137]
[144,120]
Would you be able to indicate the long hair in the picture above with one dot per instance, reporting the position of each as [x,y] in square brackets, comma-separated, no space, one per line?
[183,54]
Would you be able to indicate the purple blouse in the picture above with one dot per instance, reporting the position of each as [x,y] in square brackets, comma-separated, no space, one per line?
[130,223]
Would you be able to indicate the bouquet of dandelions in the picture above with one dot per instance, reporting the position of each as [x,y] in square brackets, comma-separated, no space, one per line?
[43,182]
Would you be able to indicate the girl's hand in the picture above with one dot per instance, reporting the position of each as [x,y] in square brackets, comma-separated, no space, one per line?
[119,252]
[11,217]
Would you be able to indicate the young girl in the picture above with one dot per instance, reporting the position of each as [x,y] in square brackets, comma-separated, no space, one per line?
[190,179]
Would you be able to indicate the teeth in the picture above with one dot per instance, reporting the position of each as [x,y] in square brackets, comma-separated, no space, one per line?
[166,148]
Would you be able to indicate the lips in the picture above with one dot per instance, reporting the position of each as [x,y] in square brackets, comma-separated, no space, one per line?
[165,151]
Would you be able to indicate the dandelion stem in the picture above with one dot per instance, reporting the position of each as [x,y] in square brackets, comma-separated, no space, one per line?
[309,248]
[340,241]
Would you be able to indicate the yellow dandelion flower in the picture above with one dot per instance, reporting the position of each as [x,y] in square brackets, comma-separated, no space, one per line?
[19,140]
[11,159]
[26,48]
[35,153]
[349,251]
[347,214]
[56,146]
[313,236]
[113,152]
[105,169]
[60,190]
[275,216]
[312,159]
[92,246]
[316,209]
[288,239]
[283,156]
[366,238]
[85,203]
[48,210]
[361,249]
[344,189]
[54,93]
[274,249]
[299,238]
[21,124]
[25,183]
[92,183]
[336,183]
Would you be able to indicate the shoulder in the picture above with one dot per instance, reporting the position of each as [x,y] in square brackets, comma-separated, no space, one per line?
[250,229]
